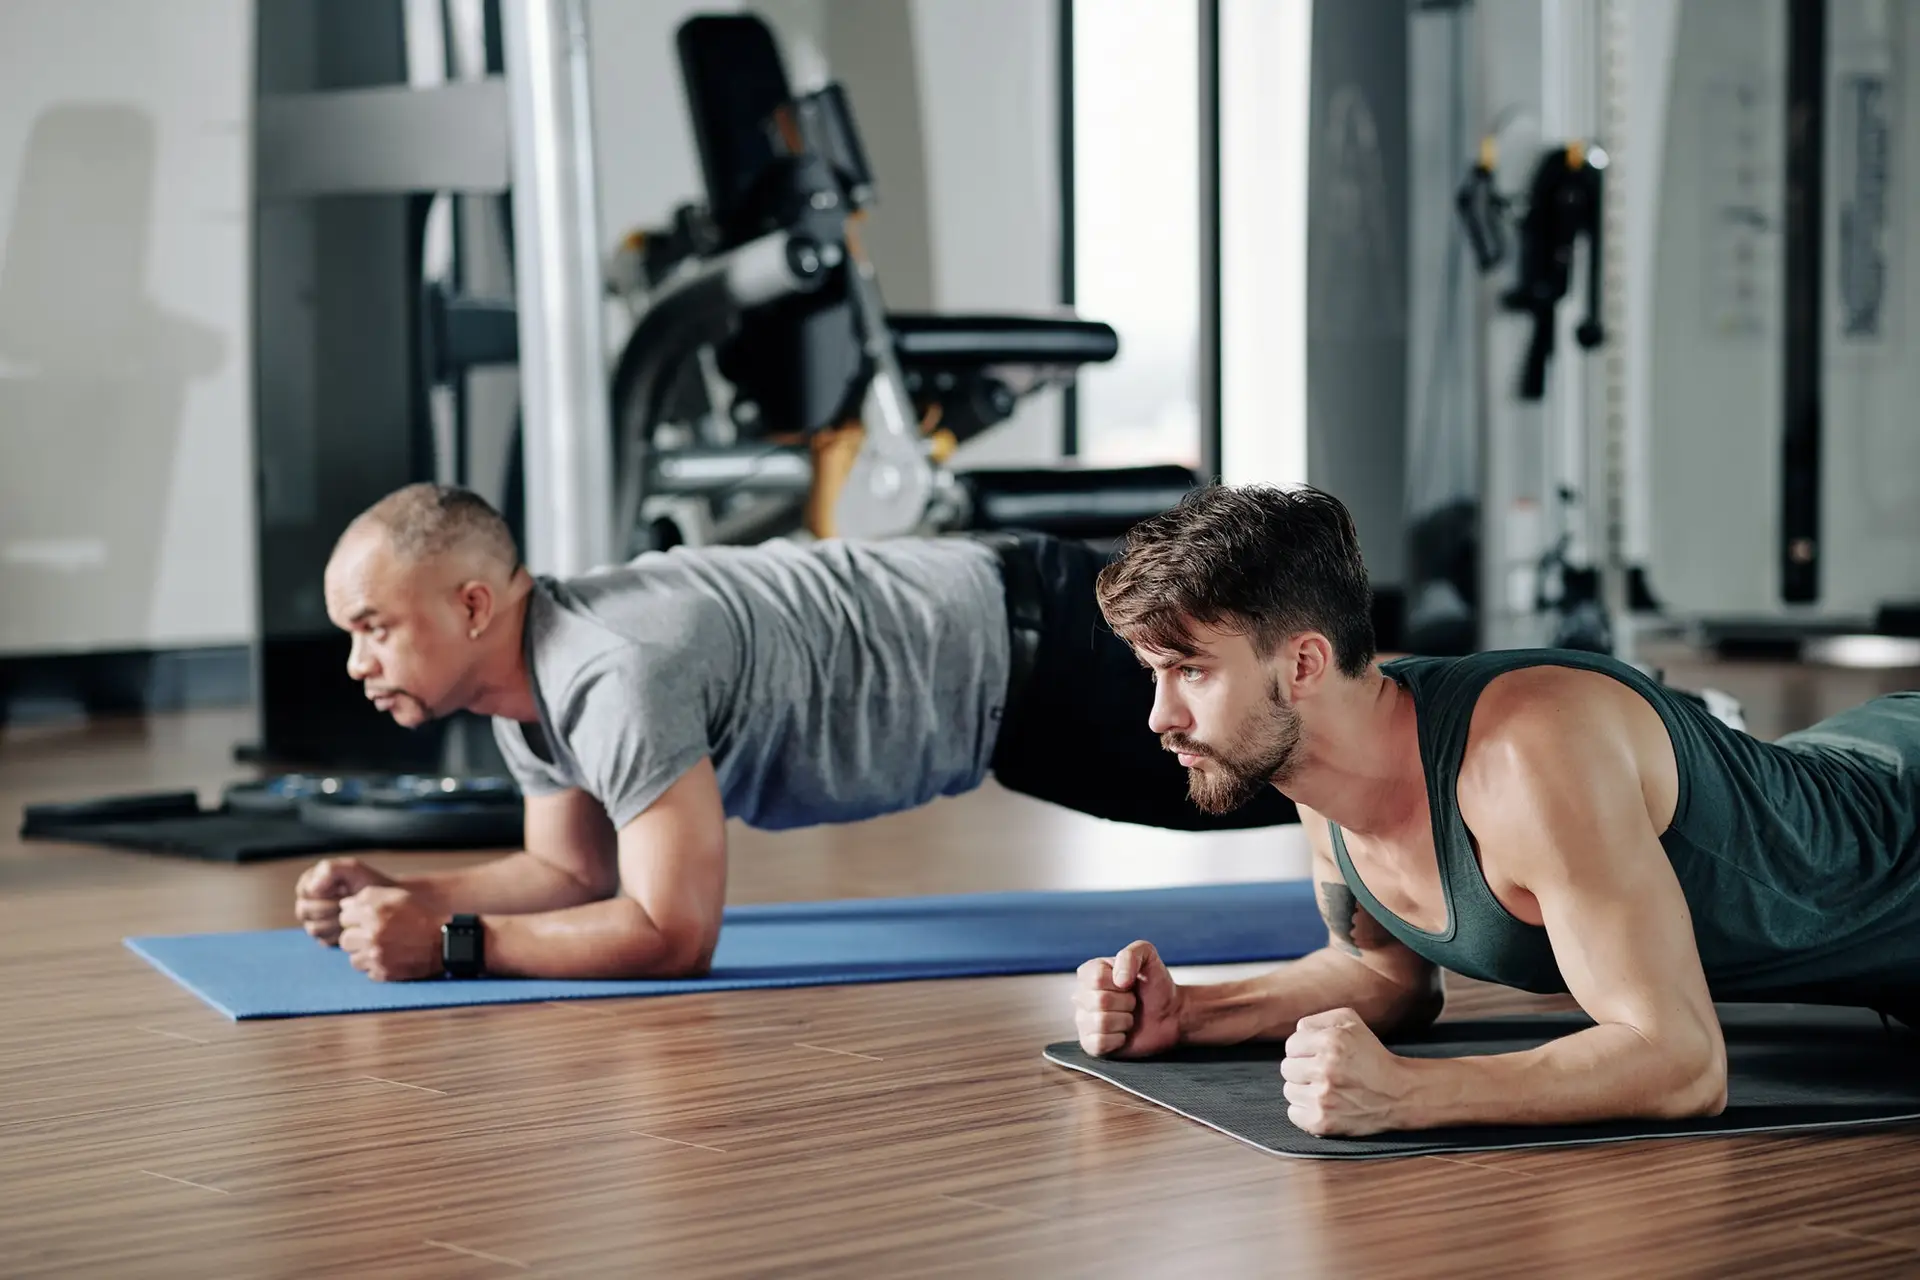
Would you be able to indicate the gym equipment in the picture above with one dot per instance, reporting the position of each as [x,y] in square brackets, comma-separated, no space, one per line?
[295,815]
[1791,1069]
[384,164]
[283,973]
[1738,469]
[1519,463]
[765,379]
[1779,357]
[1563,206]
[764,389]
[410,812]
[174,823]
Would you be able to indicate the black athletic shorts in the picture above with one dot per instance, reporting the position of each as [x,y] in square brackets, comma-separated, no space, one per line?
[1075,728]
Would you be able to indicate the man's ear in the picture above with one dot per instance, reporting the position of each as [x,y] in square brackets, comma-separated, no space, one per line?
[477,602]
[1311,659]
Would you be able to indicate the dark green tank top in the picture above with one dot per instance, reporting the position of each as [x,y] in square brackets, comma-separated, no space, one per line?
[1800,859]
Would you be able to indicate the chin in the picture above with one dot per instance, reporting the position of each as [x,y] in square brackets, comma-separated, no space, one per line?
[1217,796]
[407,714]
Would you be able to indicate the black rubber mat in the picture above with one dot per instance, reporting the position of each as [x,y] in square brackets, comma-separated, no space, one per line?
[254,824]
[174,823]
[1791,1068]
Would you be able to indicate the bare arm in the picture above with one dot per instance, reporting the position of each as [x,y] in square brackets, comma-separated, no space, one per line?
[665,920]
[570,859]
[1566,813]
[1362,967]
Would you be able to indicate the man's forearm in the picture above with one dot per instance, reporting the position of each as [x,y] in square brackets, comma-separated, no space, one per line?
[1608,1072]
[1267,1006]
[516,884]
[615,938]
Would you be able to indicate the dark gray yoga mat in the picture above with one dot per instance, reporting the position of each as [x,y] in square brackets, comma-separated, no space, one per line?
[1791,1068]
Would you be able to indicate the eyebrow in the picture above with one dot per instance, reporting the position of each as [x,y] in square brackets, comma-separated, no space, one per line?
[365,612]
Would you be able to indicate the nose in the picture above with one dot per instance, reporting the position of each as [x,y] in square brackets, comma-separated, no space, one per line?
[1169,713]
[360,663]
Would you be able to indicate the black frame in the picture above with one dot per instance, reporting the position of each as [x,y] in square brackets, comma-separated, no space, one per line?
[1800,355]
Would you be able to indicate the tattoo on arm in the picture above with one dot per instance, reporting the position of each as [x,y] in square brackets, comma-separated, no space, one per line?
[1338,909]
[1354,930]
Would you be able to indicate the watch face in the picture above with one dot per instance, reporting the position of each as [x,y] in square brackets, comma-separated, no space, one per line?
[462,947]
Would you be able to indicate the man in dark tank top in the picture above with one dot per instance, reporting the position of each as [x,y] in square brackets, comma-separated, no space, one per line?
[1550,820]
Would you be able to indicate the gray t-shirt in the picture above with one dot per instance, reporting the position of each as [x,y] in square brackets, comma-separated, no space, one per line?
[829,681]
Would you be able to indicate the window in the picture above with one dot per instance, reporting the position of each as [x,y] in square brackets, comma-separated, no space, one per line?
[1136,225]
[1265,68]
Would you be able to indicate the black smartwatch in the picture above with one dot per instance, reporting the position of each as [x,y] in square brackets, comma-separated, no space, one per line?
[463,947]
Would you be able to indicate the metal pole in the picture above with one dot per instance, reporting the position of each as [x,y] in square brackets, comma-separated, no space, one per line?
[566,432]
[1070,395]
[1616,130]
[1209,264]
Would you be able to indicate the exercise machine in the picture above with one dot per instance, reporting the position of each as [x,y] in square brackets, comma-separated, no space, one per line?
[1731,463]
[426,223]
[766,389]
[1561,210]
[1514,463]
[1783,468]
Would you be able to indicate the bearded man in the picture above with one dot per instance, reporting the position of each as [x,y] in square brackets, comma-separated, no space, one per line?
[1550,820]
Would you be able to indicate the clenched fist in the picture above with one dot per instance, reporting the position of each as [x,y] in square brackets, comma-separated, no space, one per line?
[317,896]
[1128,1006]
[1340,1078]
[391,935]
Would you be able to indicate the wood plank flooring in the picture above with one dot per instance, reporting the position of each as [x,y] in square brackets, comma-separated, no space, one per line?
[891,1130]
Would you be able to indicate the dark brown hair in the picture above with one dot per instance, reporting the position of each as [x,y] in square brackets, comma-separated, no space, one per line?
[1258,560]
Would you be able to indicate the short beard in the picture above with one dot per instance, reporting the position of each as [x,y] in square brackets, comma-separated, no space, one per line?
[1264,753]
[428,713]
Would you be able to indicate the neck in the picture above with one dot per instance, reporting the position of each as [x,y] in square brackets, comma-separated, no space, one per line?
[1362,767]
[502,685]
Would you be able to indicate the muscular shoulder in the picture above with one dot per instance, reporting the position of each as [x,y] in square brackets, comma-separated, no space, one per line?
[1547,743]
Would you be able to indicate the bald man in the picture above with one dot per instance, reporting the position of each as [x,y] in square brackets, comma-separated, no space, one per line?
[641,706]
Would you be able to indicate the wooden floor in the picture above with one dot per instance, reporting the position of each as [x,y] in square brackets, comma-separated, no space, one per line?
[900,1130]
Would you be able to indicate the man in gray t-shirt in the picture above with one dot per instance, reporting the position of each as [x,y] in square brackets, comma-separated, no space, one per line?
[641,706]
[828,682]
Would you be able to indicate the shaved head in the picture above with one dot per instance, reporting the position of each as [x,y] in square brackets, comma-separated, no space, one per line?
[424,523]
[429,585]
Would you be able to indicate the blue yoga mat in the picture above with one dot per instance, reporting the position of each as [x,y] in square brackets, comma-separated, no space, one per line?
[282,973]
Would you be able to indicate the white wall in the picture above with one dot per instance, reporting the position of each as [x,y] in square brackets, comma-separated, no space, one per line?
[989,77]
[125,516]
